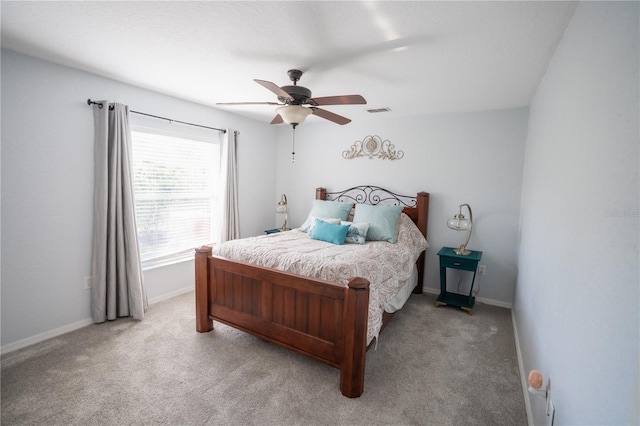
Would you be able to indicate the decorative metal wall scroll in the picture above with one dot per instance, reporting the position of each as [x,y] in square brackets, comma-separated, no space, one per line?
[373,147]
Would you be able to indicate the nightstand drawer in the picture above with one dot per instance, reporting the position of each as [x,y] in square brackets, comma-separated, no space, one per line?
[464,264]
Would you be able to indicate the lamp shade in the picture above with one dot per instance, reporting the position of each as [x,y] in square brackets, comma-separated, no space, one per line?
[459,223]
[293,114]
[282,204]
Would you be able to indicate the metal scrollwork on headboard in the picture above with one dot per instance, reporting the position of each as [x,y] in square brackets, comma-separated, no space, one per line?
[368,194]
[373,147]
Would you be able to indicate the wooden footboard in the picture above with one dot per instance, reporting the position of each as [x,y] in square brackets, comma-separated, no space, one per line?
[319,319]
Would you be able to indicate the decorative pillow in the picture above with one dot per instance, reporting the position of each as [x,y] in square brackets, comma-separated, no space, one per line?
[357,232]
[329,232]
[326,209]
[382,221]
[322,219]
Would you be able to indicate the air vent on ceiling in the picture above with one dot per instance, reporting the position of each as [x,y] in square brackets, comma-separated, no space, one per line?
[374,110]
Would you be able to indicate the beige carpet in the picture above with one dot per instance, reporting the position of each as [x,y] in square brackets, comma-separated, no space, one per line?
[435,366]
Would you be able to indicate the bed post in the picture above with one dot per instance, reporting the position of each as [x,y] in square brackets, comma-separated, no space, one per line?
[422,203]
[355,318]
[203,322]
[321,193]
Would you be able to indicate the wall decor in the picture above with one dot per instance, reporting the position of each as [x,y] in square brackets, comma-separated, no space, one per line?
[373,147]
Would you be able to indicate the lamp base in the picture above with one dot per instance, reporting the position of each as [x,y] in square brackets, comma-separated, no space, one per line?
[462,251]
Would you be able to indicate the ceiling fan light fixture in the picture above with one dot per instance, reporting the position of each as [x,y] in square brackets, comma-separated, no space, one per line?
[293,114]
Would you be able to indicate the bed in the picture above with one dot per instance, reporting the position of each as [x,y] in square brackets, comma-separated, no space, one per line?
[326,319]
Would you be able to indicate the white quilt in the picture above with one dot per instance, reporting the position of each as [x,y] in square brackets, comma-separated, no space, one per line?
[387,266]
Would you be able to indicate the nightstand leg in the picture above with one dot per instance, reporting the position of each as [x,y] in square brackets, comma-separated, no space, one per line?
[440,304]
[469,310]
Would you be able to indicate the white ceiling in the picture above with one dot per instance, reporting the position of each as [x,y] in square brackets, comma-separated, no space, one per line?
[417,57]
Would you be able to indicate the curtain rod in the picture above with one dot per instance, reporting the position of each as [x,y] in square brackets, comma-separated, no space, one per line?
[90,102]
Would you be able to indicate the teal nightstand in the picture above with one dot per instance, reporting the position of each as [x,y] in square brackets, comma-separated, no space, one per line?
[448,259]
[275,230]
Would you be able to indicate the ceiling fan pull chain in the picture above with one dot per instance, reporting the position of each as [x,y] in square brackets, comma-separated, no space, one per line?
[293,145]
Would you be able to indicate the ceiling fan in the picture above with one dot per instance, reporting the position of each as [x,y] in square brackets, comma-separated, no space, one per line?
[292,98]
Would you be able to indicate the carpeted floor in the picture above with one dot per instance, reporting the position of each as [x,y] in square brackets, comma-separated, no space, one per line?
[435,366]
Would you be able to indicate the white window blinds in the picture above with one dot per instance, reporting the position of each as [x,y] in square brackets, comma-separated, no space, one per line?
[175,184]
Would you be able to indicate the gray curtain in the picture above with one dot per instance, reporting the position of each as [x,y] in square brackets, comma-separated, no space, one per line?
[229,219]
[117,287]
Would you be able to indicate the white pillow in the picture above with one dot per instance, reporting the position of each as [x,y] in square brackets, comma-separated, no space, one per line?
[315,220]
[326,209]
[357,233]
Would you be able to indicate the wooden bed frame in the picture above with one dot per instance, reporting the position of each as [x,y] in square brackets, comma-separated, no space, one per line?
[322,320]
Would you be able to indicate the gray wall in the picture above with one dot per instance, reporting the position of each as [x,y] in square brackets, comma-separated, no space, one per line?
[47,190]
[577,295]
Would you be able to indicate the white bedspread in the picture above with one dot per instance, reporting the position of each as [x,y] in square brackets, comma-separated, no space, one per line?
[387,266]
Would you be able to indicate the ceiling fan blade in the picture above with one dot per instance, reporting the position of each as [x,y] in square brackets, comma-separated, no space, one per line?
[277,120]
[248,103]
[275,89]
[338,100]
[338,119]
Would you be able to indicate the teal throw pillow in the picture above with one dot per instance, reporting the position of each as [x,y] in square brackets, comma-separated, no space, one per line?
[382,221]
[315,220]
[329,232]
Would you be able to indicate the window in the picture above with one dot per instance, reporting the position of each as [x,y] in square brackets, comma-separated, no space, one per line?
[175,185]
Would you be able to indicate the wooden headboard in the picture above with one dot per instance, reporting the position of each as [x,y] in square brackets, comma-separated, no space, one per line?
[416,207]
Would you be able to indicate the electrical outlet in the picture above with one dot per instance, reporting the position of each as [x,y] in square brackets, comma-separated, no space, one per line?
[87,283]
[482,269]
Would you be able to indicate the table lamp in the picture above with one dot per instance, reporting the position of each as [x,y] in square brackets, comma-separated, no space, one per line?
[461,223]
[282,208]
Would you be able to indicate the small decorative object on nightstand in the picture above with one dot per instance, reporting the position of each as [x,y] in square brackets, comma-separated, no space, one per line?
[464,262]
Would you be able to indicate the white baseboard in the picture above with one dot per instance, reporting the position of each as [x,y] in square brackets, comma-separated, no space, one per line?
[491,302]
[171,295]
[77,325]
[523,377]
[44,336]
